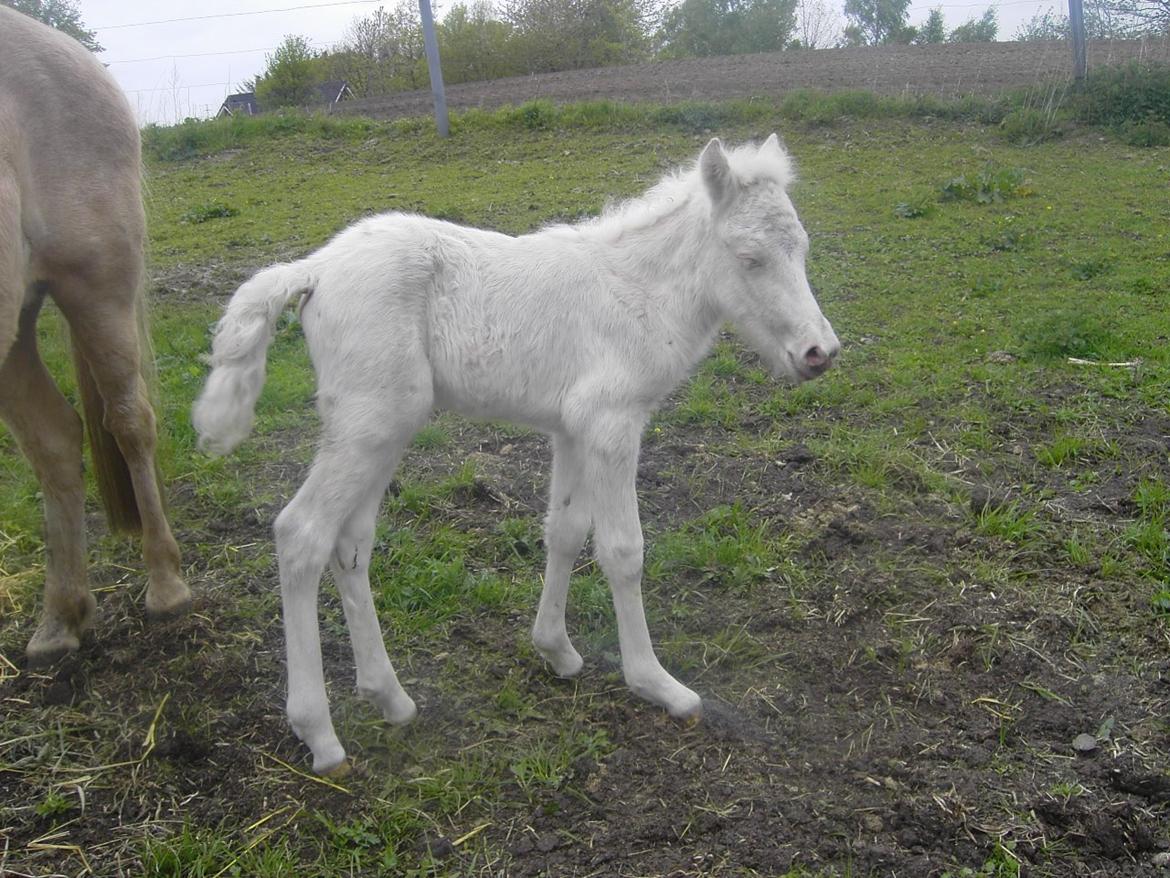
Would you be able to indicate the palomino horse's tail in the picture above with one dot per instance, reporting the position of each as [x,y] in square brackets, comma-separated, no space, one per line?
[223,414]
[111,472]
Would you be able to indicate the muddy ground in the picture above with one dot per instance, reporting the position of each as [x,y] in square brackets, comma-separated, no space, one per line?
[894,716]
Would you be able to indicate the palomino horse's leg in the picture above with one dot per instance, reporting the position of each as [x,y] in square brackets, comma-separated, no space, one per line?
[363,436]
[49,433]
[610,471]
[103,322]
[376,680]
[565,530]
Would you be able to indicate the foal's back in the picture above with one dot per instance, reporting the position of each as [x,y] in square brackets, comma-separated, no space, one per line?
[501,321]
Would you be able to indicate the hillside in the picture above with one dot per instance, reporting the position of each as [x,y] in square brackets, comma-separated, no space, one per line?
[948,70]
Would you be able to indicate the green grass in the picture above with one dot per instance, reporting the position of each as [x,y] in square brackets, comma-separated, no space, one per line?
[959,316]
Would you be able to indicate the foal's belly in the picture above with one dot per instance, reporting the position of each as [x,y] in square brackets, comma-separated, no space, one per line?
[500,395]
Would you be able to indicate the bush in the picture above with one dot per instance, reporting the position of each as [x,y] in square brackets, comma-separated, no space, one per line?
[1135,93]
[1147,132]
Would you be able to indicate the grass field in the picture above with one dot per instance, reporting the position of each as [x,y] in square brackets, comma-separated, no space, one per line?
[903,590]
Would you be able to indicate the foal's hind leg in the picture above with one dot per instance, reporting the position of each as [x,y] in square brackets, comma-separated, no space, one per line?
[363,438]
[565,530]
[376,680]
[103,323]
[49,433]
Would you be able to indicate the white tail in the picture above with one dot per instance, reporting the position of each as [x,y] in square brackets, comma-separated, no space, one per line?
[223,414]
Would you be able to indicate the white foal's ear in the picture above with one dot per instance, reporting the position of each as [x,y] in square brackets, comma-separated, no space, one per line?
[773,144]
[717,176]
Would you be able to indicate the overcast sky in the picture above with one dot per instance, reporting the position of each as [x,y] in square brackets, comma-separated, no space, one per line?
[182,57]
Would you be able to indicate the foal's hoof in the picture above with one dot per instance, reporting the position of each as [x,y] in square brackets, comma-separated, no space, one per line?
[689,715]
[336,772]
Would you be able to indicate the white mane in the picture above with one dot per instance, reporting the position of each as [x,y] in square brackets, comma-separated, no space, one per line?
[678,188]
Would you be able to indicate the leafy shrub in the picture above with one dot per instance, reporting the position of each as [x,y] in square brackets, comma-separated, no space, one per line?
[1147,132]
[538,115]
[990,185]
[1133,93]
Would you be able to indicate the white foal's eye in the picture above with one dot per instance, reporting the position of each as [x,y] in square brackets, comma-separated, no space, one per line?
[749,261]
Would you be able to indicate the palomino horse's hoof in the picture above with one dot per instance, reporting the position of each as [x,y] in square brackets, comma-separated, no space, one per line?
[42,655]
[175,605]
[51,644]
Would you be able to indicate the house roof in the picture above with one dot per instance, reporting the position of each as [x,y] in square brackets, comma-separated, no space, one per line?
[245,103]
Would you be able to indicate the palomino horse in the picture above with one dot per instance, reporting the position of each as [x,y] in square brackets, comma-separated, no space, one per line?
[72,228]
[579,331]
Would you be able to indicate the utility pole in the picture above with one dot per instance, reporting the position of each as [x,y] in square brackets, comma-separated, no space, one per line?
[436,69]
[1076,24]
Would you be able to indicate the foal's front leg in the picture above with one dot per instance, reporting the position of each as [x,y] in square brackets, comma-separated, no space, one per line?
[565,530]
[617,533]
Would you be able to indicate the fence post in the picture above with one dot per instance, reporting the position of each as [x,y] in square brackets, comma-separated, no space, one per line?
[434,67]
[1076,24]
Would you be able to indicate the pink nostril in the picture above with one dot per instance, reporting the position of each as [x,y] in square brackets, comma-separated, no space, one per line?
[815,358]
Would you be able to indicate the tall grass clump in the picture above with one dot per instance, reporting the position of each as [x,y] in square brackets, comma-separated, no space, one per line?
[192,138]
[1070,332]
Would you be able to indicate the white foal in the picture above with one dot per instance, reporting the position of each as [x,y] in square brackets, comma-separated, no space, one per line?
[579,331]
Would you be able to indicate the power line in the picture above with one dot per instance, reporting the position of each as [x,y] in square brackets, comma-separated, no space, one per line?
[176,88]
[239,14]
[193,55]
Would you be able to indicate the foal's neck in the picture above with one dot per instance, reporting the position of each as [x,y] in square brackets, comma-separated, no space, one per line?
[663,248]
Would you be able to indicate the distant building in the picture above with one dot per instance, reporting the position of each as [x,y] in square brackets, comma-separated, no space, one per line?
[242,104]
[326,94]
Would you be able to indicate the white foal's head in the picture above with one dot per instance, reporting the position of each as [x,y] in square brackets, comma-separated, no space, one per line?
[761,248]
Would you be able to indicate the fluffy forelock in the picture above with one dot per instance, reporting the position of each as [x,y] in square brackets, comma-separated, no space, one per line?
[751,164]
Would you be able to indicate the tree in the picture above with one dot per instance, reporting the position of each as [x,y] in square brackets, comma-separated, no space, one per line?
[1134,17]
[382,52]
[934,30]
[290,76]
[874,22]
[552,35]
[60,14]
[817,25]
[1043,27]
[697,28]
[1104,20]
[980,30]
[474,45]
